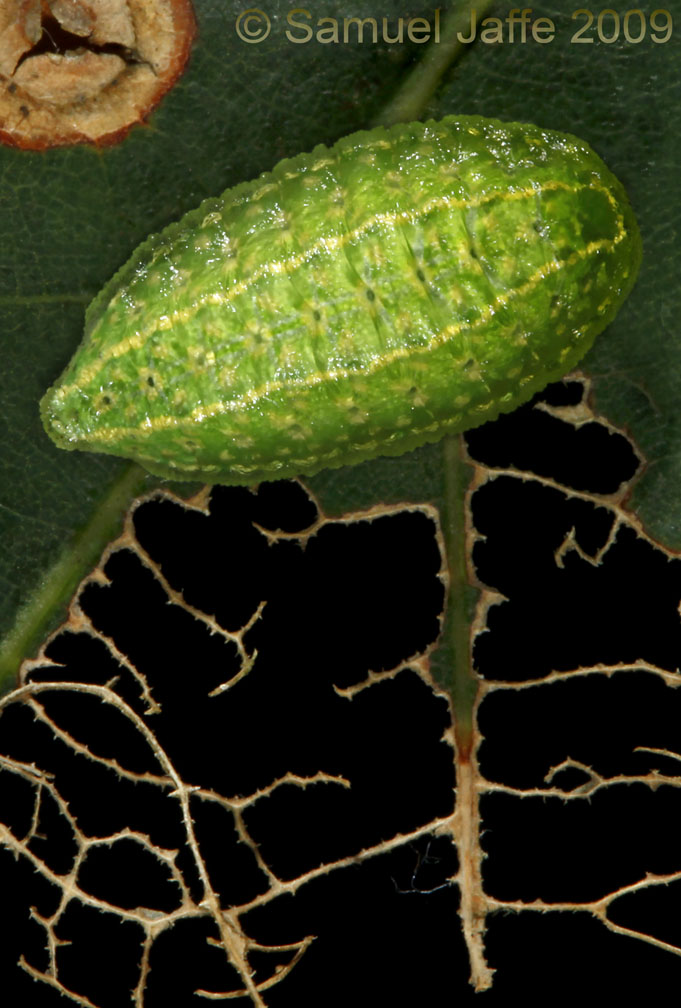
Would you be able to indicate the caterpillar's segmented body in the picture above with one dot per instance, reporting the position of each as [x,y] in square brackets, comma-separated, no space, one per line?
[356,301]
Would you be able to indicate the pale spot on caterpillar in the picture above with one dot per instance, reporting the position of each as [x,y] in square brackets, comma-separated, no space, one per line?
[357,415]
[211,218]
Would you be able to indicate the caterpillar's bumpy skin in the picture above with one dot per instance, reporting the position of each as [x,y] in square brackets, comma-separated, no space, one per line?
[356,301]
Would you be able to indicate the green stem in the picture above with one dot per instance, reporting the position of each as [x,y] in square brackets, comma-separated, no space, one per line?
[40,613]
[452,663]
[412,97]
[459,678]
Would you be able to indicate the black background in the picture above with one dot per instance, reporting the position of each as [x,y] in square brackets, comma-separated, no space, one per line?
[360,597]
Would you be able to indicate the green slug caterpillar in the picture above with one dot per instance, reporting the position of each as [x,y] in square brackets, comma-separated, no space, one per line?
[359,300]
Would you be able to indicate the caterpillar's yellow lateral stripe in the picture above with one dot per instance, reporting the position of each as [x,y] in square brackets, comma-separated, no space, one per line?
[244,402]
[329,244]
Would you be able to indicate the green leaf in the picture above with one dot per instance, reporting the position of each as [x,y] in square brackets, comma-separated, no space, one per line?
[606,93]
[71,217]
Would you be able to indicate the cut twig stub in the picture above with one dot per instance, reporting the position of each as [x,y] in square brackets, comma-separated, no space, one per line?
[85,71]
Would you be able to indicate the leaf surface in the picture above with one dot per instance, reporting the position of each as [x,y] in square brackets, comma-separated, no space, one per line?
[71,217]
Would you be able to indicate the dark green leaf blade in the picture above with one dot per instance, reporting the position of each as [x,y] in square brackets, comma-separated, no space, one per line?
[71,217]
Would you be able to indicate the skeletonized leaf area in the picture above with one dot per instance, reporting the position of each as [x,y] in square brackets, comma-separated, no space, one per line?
[231,775]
